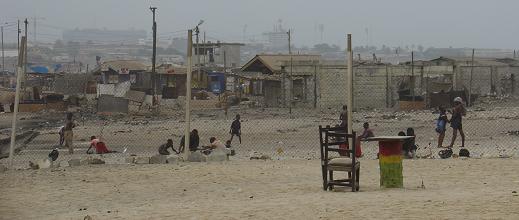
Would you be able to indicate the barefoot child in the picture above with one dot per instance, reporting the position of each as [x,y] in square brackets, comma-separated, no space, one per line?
[236,128]
[456,121]
[441,125]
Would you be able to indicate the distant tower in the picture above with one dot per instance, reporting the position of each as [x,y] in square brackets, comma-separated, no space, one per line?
[321,30]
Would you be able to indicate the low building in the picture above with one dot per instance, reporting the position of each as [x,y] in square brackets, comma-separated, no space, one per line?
[284,79]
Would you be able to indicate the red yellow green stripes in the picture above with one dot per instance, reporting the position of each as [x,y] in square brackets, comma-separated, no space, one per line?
[390,161]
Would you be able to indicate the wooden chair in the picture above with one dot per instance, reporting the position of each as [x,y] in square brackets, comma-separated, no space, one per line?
[331,140]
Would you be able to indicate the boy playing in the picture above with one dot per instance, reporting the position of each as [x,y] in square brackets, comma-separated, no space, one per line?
[236,128]
[163,149]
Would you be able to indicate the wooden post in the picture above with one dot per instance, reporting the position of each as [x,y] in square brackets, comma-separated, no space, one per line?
[350,86]
[315,86]
[19,74]
[469,101]
[187,130]
[412,76]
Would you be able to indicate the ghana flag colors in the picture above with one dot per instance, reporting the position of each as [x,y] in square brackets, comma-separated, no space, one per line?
[390,161]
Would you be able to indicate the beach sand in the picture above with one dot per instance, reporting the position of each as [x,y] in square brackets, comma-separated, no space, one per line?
[272,189]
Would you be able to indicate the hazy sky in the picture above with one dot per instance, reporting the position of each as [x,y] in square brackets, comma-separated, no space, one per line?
[439,23]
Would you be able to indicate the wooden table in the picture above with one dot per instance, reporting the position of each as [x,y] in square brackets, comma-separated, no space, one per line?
[390,160]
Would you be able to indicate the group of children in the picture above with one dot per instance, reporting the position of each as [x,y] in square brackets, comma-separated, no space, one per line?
[214,143]
[99,147]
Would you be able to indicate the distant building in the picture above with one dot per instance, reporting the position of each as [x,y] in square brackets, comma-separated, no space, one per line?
[104,36]
[278,38]
[218,54]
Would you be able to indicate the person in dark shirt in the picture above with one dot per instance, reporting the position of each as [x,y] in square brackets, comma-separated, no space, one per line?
[409,146]
[236,128]
[194,141]
[163,149]
[456,121]
[344,117]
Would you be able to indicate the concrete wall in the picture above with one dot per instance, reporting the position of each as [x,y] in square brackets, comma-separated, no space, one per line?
[109,103]
[71,84]
[377,86]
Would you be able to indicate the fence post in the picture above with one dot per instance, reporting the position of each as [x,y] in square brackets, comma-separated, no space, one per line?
[188,93]
[19,73]
[350,87]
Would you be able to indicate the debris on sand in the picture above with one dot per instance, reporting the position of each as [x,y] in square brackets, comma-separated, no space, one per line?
[283,131]
[2,168]
[262,157]
[516,133]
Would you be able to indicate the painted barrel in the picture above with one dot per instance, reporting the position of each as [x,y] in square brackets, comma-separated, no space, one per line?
[390,161]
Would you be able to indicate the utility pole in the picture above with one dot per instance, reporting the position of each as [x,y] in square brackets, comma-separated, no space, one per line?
[187,130]
[349,81]
[469,102]
[19,31]
[198,75]
[3,59]
[197,51]
[26,40]
[153,58]
[25,48]
[412,75]
[34,24]
[205,53]
[290,95]
[20,72]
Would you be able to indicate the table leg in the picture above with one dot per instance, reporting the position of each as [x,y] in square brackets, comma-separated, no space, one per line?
[390,161]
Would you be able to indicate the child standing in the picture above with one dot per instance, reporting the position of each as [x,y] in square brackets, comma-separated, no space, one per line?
[236,128]
[441,125]
[456,121]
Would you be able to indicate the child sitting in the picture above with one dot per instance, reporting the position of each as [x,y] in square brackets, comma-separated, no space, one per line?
[99,146]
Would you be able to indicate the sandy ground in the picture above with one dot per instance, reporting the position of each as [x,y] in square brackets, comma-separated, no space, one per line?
[284,189]
[490,133]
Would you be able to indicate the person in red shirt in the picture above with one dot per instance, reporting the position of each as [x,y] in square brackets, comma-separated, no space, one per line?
[99,146]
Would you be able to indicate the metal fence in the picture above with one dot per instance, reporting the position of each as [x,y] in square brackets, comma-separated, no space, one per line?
[283,125]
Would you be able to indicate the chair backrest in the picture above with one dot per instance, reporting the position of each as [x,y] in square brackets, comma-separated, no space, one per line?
[331,139]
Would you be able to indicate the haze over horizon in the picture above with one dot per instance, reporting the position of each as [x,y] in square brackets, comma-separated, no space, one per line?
[442,23]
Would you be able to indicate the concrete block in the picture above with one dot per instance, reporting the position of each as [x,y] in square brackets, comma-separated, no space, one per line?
[173,159]
[2,168]
[158,159]
[130,160]
[74,162]
[64,164]
[116,160]
[92,160]
[54,164]
[142,160]
[44,164]
[196,157]
[217,156]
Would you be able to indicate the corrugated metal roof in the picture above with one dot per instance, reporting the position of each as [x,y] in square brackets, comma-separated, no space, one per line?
[274,61]
[131,65]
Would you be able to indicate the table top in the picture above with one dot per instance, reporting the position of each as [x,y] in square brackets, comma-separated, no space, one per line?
[388,138]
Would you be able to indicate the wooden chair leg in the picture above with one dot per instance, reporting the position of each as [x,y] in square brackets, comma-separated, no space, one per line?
[325,178]
[358,179]
[330,186]
[353,183]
